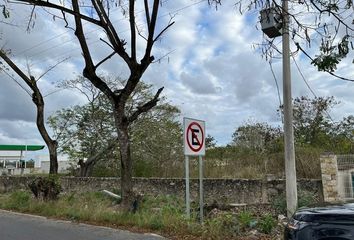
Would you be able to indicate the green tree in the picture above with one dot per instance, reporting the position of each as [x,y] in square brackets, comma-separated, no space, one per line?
[258,137]
[210,142]
[312,122]
[86,133]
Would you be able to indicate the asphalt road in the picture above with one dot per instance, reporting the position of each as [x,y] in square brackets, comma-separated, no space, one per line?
[14,226]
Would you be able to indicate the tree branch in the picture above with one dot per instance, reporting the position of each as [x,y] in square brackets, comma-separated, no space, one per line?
[112,35]
[147,13]
[105,59]
[89,70]
[51,68]
[164,30]
[61,8]
[132,29]
[331,73]
[147,59]
[146,107]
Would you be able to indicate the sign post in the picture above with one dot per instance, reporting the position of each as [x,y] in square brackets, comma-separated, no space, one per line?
[194,145]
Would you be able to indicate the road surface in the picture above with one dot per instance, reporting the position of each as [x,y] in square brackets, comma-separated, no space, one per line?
[14,226]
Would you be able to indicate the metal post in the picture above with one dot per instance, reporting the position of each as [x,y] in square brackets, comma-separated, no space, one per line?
[25,156]
[188,208]
[290,169]
[201,198]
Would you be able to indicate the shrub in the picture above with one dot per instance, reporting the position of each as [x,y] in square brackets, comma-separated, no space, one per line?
[46,188]
[267,223]
[245,219]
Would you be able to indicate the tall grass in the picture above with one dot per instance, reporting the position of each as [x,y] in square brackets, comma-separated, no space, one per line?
[163,214]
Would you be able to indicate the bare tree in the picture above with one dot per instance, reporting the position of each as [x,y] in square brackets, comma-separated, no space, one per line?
[100,16]
[37,99]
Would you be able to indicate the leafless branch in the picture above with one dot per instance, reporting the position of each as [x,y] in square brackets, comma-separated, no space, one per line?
[146,107]
[164,30]
[51,68]
[31,18]
[109,45]
[58,7]
[132,29]
[105,59]
[147,13]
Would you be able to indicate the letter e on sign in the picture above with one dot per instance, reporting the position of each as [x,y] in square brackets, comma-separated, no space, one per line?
[194,137]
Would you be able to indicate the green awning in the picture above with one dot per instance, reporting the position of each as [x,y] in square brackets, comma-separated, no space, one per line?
[21,147]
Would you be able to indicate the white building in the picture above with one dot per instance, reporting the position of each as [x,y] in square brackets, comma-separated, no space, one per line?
[42,164]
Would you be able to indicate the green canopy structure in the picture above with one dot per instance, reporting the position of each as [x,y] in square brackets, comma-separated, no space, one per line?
[21,147]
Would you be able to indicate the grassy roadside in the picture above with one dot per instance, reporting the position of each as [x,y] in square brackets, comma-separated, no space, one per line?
[162,215]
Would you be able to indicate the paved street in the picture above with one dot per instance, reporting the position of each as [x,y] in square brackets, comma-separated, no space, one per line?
[25,227]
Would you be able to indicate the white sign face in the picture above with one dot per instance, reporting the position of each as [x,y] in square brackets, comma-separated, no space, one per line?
[194,137]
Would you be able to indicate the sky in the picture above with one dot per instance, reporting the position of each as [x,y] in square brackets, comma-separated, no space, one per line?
[208,64]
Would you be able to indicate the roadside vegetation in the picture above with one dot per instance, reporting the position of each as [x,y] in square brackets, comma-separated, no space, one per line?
[164,215]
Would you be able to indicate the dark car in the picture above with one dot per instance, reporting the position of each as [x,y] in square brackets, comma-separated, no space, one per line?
[334,222]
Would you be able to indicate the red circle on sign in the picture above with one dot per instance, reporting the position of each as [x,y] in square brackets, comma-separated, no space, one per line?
[189,129]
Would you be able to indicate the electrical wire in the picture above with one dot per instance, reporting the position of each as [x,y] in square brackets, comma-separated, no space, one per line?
[18,83]
[126,30]
[276,84]
[71,39]
[52,38]
[308,86]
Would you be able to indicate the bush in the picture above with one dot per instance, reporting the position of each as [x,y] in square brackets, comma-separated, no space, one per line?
[46,188]
[267,223]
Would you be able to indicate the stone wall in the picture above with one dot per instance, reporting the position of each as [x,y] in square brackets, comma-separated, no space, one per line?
[329,172]
[221,190]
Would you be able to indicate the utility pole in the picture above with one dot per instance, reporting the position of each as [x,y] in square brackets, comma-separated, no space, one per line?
[290,168]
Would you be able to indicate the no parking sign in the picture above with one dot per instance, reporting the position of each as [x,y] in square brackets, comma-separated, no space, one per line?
[194,145]
[194,137]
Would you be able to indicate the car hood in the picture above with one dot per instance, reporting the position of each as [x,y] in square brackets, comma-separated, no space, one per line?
[333,213]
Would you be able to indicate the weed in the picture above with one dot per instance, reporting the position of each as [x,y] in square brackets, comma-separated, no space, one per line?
[18,200]
[267,223]
[245,219]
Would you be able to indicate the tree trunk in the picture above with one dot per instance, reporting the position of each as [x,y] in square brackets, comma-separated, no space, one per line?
[51,144]
[127,193]
[85,168]
[53,158]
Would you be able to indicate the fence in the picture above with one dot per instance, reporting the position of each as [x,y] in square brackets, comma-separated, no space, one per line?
[345,165]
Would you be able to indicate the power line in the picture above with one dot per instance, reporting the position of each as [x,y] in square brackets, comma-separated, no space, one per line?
[68,31]
[18,83]
[96,41]
[276,84]
[52,38]
[303,77]
[308,86]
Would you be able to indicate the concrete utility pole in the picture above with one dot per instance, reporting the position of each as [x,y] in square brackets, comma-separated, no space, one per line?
[290,168]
